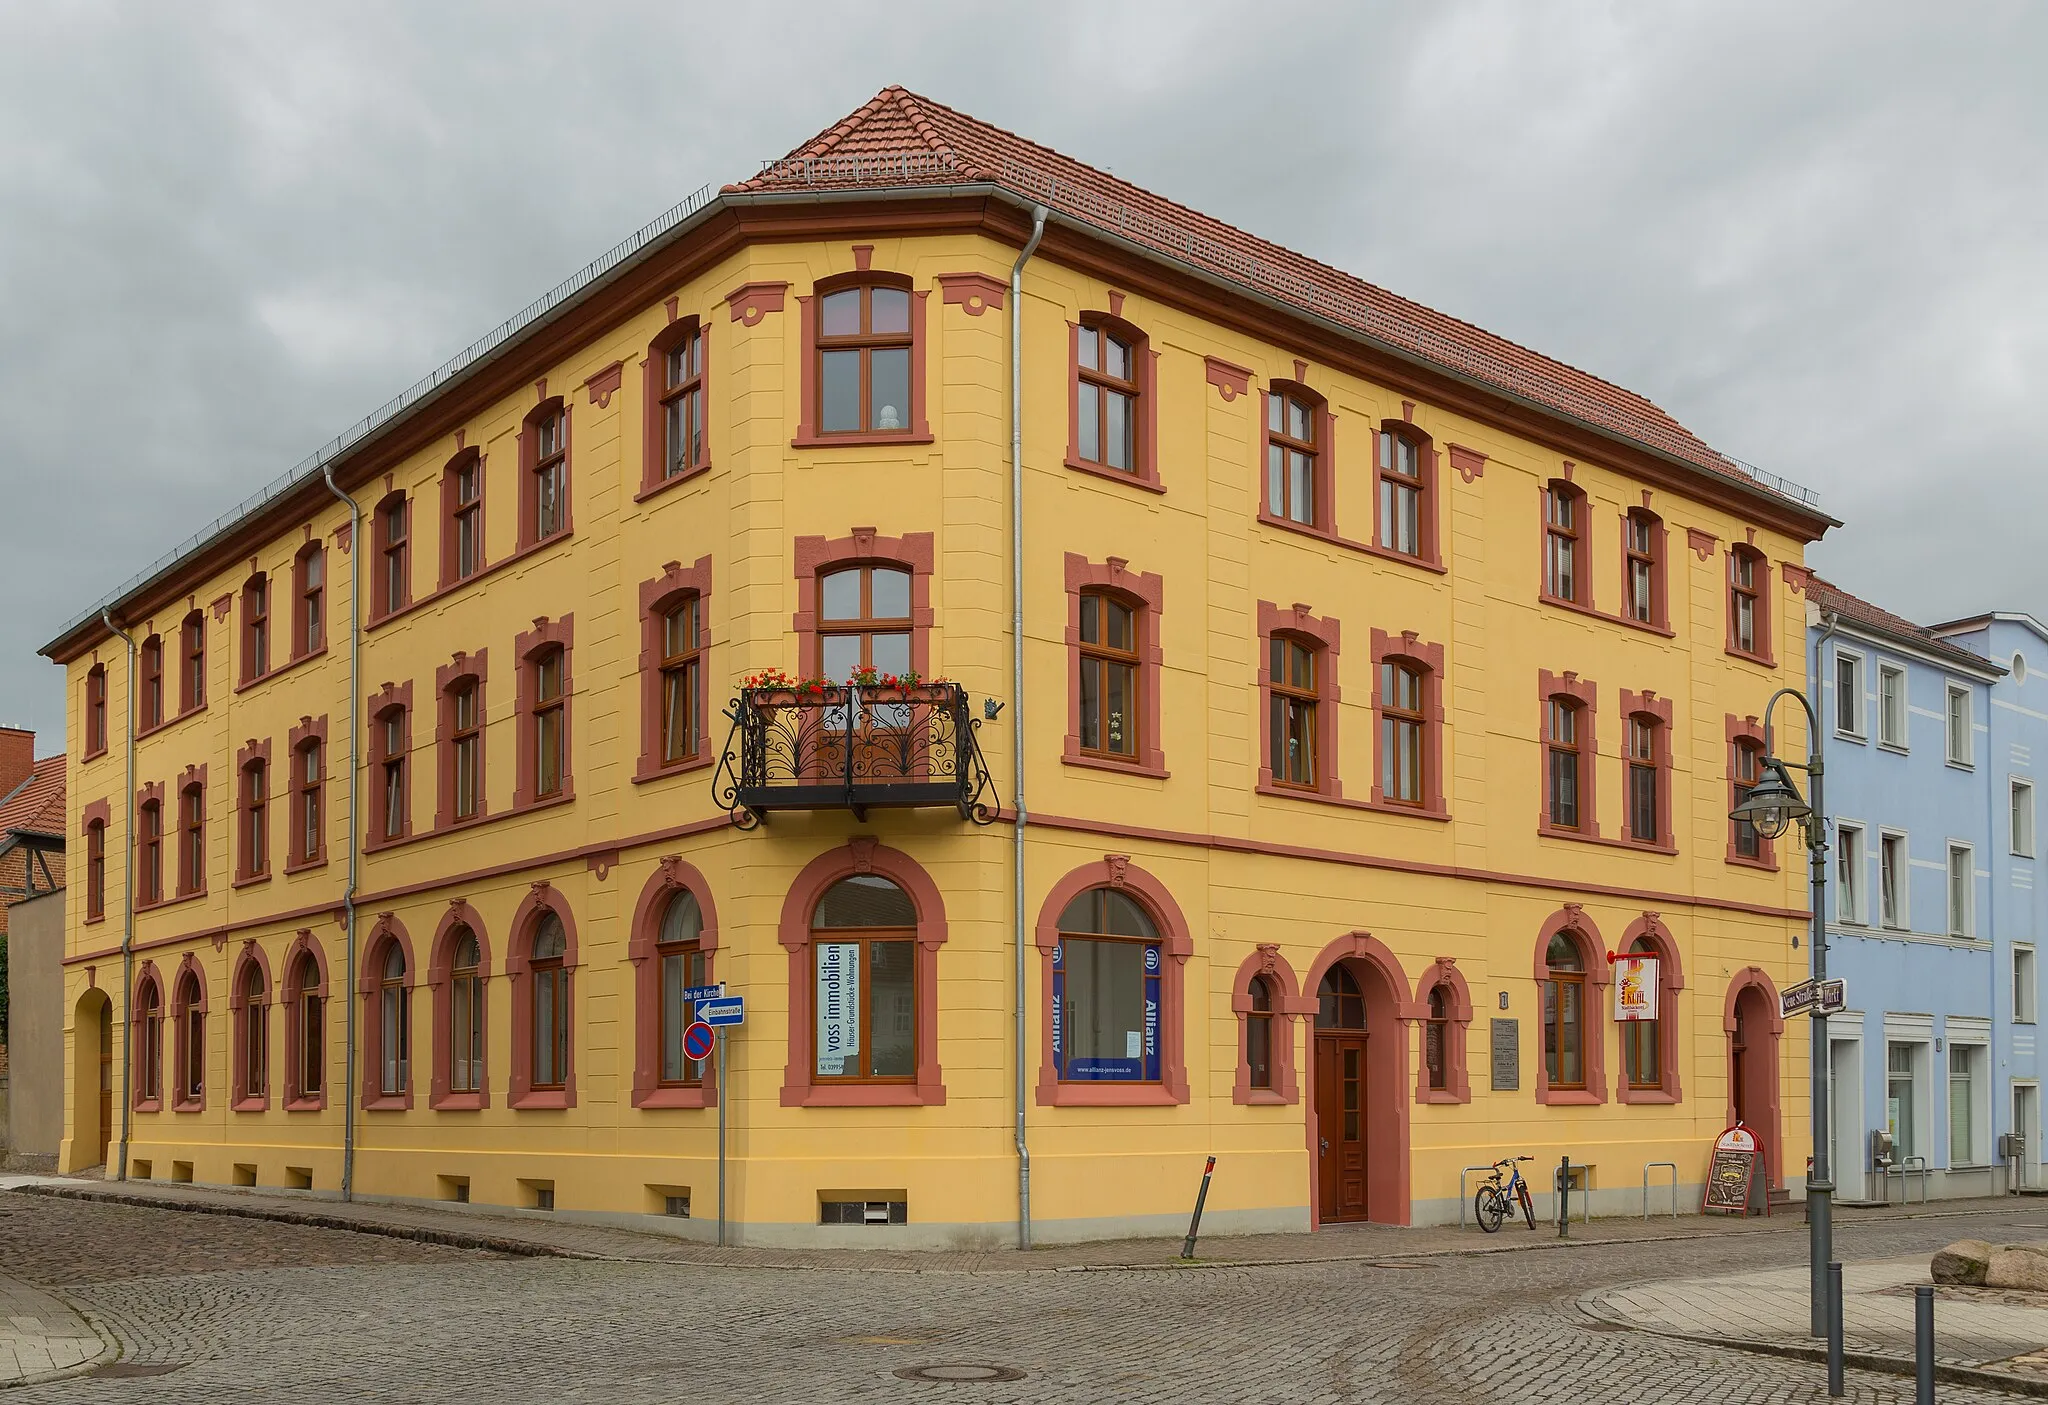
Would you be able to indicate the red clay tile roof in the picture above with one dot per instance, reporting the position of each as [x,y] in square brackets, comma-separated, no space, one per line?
[1856,611]
[901,139]
[37,804]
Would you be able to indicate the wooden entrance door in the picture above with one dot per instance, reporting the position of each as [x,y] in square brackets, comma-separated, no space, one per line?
[106,1079]
[1340,1125]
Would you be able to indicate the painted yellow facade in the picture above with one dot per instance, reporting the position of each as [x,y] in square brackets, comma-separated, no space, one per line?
[1245,868]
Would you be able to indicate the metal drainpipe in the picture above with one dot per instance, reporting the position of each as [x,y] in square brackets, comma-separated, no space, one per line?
[1038,215]
[127,913]
[348,897]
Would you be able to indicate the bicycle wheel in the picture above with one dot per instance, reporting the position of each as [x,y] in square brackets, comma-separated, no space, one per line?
[1528,1205]
[1490,1207]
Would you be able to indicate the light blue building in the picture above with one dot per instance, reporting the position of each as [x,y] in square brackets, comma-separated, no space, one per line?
[1930,738]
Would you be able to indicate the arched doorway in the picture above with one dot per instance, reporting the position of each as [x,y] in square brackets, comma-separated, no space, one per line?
[1358,1148]
[1753,1025]
[92,1080]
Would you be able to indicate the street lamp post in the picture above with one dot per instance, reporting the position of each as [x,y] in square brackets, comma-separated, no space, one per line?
[1772,806]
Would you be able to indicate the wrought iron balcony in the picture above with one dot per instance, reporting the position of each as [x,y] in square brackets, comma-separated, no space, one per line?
[854,748]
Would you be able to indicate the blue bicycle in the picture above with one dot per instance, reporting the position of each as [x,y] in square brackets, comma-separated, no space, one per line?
[1496,1200]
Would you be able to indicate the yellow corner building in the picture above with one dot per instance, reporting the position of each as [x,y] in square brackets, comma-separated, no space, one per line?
[1104,689]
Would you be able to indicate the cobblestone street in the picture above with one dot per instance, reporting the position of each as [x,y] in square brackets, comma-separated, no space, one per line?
[245,1310]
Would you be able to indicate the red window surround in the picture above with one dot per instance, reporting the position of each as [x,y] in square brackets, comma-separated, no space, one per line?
[95,712]
[462,518]
[1650,931]
[249,1008]
[369,989]
[252,813]
[1324,636]
[1578,928]
[529,648]
[916,429]
[1322,500]
[1585,695]
[1390,483]
[192,819]
[149,706]
[1564,545]
[1759,590]
[657,597]
[392,700]
[672,876]
[149,845]
[531,463]
[1744,734]
[1117,871]
[540,898]
[188,998]
[1143,386]
[1267,962]
[93,822]
[1146,594]
[1443,975]
[861,855]
[459,917]
[658,392]
[309,600]
[1648,707]
[1426,660]
[471,670]
[192,652]
[311,732]
[292,997]
[147,1040]
[819,556]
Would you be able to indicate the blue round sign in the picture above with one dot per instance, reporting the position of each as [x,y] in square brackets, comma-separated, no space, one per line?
[698,1039]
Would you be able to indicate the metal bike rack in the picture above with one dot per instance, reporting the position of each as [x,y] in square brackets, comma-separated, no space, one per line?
[1464,1199]
[1671,1166]
[1903,1169]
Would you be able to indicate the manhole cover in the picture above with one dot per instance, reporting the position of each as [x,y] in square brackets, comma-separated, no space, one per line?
[960,1372]
[139,1368]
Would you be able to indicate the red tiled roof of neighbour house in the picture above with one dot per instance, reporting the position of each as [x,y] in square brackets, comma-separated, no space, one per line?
[902,139]
[37,804]
[1856,611]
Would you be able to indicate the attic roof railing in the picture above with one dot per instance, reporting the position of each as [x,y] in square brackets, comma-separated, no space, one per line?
[1118,217]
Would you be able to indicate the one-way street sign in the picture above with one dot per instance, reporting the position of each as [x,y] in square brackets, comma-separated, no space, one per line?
[723,1010]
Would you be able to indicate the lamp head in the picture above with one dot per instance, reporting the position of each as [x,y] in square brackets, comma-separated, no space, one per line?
[1773,803]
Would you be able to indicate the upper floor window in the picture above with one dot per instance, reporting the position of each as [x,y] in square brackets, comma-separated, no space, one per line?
[192,838]
[149,841]
[1563,521]
[192,646]
[549,724]
[2021,802]
[864,355]
[548,478]
[1960,726]
[308,774]
[1749,629]
[152,701]
[1292,464]
[682,682]
[1645,568]
[1891,705]
[1747,770]
[462,516]
[1892,863]
[1403,725]
[96,710]
[682,404]
[1106,413]
[465,736]
[1401,480]
[394,580]
[1109,677]
[864,621]
[391,730]
[1852,897]
[95,870]
[255,837]
[1962,884]
[1566,763]
[1848,693]
[309,601]
[1295,697]
[1645,779]
[256,628]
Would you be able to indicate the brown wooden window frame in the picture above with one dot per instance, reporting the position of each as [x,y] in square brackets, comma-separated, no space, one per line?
[1392,483]
[688,339]
[252,841]
[811,431]
[1291,714]
[682,681]
[547,642]
[1565,716]
[304,998]
[249,1051]
[1140,388]
[149,1047]
[192,837]
[192,657]
[465,736]
[1564,509]
[188,1013]
[95,712]
[1648,936]
[306,843]
[1404,731]
[95,870]
[464,486]
[149,843]
[390,766]
[1282,400]
[456,737]
[544,480]
[1097,658]
[1145,594]
[394,555]
[150,706]
[309,600]
[1749,580]
[1262,1029]
[672,590]
[1745,740]
[1581,697]
[256,628]
[1644,598]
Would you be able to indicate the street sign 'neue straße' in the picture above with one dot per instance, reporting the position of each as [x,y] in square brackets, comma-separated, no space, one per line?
[1814,997]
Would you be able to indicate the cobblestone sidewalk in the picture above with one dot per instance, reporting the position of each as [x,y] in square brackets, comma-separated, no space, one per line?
[1980,1335]
[40,1338]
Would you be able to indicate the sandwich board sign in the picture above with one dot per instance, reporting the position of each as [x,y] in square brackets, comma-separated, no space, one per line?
[1731,1172]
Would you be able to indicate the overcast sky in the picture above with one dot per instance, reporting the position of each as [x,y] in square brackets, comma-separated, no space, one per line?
[1816,234]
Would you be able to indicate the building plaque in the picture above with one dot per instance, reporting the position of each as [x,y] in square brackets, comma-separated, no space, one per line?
[1507,1056]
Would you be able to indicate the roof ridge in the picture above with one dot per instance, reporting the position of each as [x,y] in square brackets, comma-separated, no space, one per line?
[912,108]
[1341,274]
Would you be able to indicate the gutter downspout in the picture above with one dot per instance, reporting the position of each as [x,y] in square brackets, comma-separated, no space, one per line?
[1038,216]
[127,913]
[348,897]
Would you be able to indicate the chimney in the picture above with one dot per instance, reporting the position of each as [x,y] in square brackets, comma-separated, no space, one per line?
[17,758]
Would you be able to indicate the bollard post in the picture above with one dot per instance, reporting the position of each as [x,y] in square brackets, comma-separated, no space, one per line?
[1564,1197]
[1923,1344]
[1834,1309]
[1187,1250]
